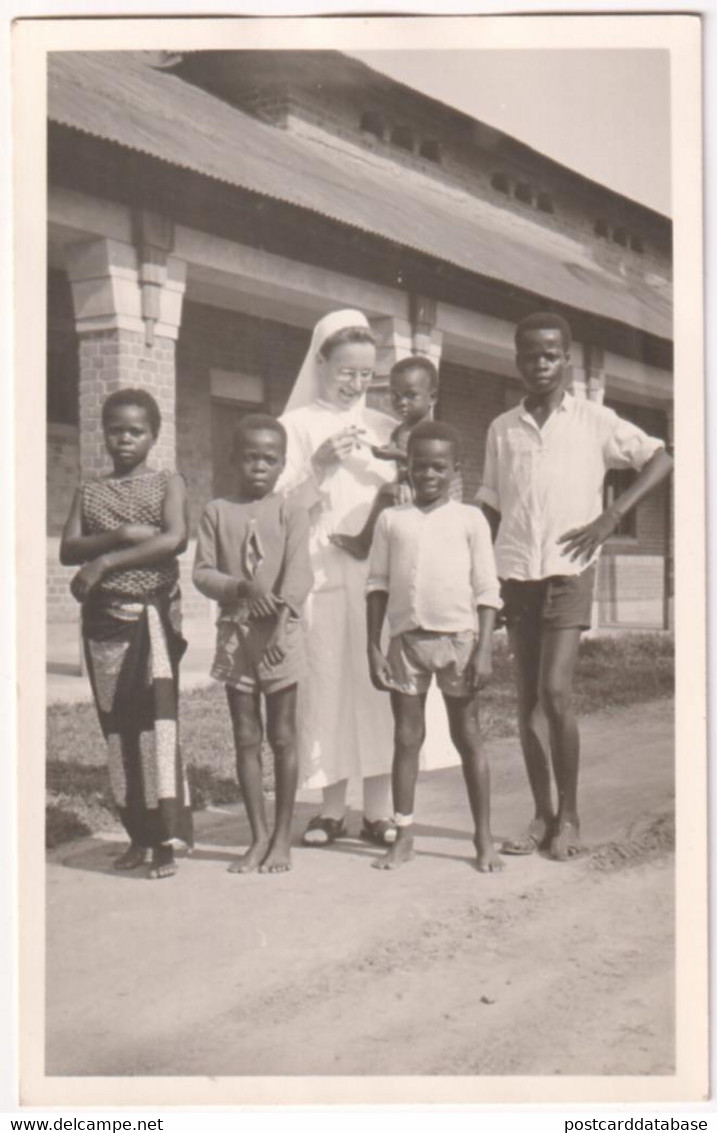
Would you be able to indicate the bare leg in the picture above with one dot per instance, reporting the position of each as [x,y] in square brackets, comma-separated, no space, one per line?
[359,545]
[525,641]
[559,650]
[464,727]
[281,733]
[409,732]
[247,727]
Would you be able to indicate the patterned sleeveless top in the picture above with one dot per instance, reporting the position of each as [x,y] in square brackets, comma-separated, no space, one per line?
[107,504]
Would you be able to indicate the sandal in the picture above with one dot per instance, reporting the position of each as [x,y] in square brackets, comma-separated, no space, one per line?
[163,863]
[382,832]
[331,828]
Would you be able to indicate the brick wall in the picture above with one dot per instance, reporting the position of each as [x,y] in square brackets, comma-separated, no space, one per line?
[111,360]
[469,400]
[63,473]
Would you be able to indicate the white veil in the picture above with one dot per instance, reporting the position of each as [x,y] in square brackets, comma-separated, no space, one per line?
[306,389]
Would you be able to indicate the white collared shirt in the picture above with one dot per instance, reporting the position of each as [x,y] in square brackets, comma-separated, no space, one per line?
[437,566]
[546,481]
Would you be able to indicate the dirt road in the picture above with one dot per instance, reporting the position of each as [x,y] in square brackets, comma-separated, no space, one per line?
[340,969]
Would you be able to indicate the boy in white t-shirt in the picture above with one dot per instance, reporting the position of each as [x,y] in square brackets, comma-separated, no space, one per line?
[432,574]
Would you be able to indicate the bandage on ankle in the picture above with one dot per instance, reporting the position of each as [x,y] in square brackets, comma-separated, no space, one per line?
[403,819]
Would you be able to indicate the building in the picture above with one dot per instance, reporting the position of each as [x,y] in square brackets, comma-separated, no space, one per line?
[206,209]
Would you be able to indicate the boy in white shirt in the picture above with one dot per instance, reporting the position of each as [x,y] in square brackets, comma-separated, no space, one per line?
[545,465]
[432,574]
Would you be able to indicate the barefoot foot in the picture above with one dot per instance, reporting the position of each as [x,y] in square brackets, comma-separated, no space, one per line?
[537,837]
[487,860]
[133,857]
[566,842]
[400,853]
[279,858]
[252,859]
[163,863]
[354,545]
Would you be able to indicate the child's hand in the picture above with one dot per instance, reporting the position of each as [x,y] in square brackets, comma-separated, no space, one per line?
[261,602]
[583,542]
[87,578]
[480,669]
[379,670]
[276,649]
[134,533]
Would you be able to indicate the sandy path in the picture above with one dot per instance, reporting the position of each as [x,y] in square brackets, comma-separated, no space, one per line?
[341,969]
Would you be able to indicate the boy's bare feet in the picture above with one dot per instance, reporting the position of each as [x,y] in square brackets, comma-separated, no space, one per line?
[537,837]
[354,545]
[279,858]
[133,857]
[252,859]
[487,860]
[399,854]
[566,842]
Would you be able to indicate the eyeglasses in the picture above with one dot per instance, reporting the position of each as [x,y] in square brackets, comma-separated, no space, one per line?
[346,376]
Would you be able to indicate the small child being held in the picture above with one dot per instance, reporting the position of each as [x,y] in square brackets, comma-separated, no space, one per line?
[253,559]
[432,574]
[414,388]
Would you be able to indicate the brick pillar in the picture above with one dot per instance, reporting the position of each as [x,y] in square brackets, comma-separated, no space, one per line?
[127,336]
[426,339]
[595,374]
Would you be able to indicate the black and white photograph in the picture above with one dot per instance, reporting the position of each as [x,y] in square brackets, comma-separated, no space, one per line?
[364,562]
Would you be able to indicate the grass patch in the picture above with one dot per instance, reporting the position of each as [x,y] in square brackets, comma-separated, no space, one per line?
[612,672]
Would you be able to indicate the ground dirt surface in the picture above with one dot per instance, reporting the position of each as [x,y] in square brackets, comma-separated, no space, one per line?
[434,969]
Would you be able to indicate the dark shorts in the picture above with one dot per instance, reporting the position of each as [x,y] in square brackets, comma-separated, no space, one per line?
[563,601]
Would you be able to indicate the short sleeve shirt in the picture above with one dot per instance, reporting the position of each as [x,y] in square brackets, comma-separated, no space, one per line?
[546,481]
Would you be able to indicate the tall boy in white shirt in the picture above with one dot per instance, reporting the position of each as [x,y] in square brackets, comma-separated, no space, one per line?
[545,465]
[432,574]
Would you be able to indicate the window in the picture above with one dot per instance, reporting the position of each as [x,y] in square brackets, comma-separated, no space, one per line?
[601,228]
[616,483]
[372,123]
[620,236]
[545,203]
[431,150]
[524,193]
[402,137]
[500,182]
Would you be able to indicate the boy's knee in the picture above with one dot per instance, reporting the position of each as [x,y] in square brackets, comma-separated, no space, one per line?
[555,699]
[409,734]
[247,732]
[281,740]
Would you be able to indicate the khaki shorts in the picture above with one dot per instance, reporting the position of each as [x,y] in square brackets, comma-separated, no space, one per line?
[419,654]
[238,660]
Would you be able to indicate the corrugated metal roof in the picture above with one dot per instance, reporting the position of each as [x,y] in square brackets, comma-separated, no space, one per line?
[120,97]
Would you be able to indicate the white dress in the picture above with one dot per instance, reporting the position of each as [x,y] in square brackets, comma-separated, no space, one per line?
[345,726]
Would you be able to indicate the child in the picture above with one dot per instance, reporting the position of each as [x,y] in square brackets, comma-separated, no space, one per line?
[127,529]
[432,573]
[414,386]
[253,559]
[545,465]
